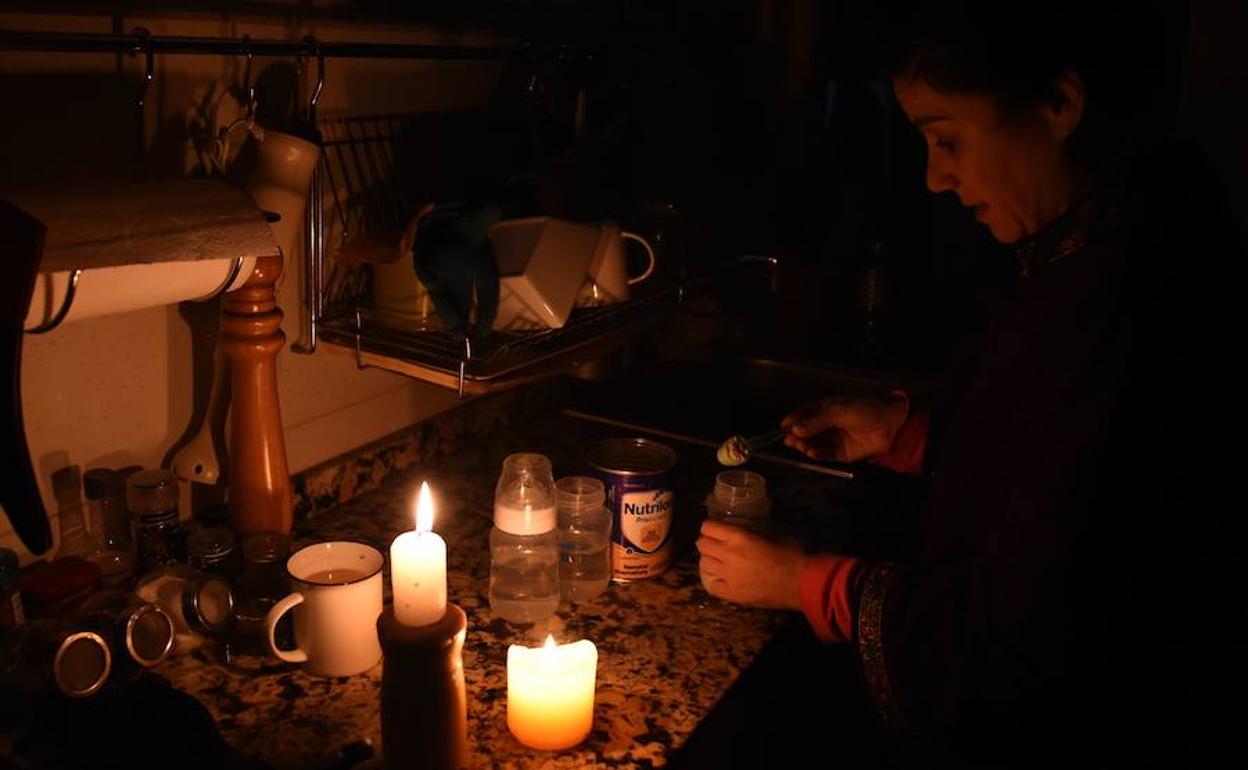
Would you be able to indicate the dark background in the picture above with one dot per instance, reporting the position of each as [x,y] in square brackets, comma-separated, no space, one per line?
[760,127]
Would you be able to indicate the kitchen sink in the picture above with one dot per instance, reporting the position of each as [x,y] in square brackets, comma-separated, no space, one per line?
[745,396]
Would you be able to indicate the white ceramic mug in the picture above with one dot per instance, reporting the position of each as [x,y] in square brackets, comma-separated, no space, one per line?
[278,182]
[608,279]
[337,600]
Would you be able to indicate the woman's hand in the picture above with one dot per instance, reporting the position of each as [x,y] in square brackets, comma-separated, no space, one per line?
[742,567]
[846,429]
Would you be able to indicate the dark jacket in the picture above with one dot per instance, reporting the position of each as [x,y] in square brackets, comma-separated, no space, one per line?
[1076,593]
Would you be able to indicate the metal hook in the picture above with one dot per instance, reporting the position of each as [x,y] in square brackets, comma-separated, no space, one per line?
[144,44]
[320,80]
[463,367]
[359,363]
[55,320]
[248,88]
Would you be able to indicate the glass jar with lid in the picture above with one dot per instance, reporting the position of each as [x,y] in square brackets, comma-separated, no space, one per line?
[212,550]
[200,604]
[44,657]
[152,497]
[138,632]
[263,582]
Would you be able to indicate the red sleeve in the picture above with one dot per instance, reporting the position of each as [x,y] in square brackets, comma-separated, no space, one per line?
[909,446]
[826,586]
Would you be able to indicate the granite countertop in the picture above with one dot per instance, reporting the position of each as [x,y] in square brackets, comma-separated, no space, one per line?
[668,650]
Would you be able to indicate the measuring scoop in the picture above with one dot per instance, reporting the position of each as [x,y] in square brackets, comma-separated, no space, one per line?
[736,450]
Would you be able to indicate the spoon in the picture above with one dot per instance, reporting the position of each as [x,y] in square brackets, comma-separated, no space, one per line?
[736,450]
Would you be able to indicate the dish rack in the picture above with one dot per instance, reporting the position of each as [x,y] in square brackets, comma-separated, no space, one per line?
[361,188]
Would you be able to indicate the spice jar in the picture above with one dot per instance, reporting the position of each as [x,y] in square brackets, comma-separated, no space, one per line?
[263,582]
[201,605]
[137,631]
[211,550]
[152,497]
[108,519]
[47,657]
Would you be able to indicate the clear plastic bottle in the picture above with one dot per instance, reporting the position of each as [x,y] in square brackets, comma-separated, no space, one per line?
[739,497]
[524,546]
[584,538]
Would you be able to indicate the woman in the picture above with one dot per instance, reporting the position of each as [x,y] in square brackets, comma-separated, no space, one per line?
[1074,597]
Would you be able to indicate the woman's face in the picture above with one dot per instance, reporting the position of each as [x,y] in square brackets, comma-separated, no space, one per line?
[1012,172]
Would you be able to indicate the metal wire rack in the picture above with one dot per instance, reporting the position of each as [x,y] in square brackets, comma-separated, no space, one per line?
[365,189]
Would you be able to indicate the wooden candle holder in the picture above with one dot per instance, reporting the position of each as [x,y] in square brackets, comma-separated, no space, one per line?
[261,497]
[424,705]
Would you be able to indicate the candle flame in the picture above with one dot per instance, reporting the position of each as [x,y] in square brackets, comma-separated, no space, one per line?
[548,658]
[424,509]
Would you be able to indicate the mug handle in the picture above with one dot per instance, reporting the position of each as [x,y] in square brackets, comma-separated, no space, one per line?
[270,623]
[649,253]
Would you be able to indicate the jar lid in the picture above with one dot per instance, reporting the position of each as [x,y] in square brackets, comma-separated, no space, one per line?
[210,544]
[152,491]
[525,520]
[99,483]
[208,603]
[82,664]
[149,634]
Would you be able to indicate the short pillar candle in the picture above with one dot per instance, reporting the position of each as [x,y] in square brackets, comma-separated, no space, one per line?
[550,693]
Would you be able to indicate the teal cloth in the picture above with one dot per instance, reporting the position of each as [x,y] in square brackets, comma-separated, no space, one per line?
[453,258]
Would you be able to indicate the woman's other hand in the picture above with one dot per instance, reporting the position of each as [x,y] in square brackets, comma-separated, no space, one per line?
[742,567]
[846,429]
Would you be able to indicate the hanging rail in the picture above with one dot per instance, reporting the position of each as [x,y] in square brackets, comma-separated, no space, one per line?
[96,43]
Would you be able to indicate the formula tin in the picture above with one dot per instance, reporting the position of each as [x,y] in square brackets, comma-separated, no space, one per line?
[636,473]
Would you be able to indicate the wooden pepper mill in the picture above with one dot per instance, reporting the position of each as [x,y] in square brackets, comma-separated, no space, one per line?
[261,498]
[424,705]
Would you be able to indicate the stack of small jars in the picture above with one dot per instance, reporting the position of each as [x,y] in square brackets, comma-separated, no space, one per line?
[131,586]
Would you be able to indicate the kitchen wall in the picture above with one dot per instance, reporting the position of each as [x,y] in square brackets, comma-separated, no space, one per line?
[122,389]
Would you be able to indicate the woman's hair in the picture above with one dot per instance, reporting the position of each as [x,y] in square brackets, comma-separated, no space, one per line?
[1015,50]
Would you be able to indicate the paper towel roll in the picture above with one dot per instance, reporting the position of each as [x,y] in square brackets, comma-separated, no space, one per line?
[106,290]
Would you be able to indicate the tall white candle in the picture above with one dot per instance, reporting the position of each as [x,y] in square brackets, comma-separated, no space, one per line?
[418,568]
[550,693]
